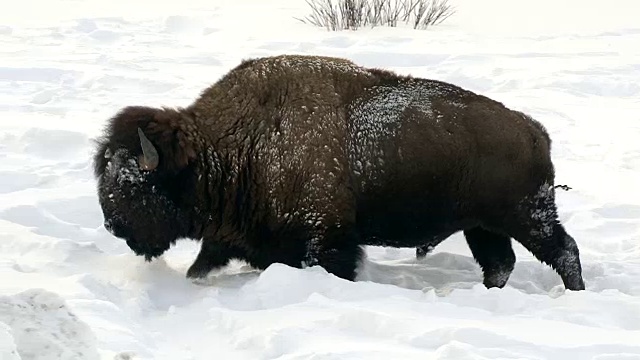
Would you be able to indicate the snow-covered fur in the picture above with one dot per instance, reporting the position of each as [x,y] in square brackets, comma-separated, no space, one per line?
[303,159]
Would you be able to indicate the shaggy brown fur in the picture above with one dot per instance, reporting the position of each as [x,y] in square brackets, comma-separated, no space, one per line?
[303,159]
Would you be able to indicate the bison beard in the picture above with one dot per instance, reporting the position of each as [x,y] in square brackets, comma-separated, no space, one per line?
[303,159]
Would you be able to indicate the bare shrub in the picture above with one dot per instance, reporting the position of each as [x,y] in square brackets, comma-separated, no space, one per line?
[338,15]
[353,14]
[430,13]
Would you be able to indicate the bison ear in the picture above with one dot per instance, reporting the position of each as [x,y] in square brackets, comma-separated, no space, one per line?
[158,135]
[185,151]
[168,138]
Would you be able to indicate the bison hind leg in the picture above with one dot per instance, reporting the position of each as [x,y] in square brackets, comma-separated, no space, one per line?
[431,243]
[493,252]
[538,229]
[552,245]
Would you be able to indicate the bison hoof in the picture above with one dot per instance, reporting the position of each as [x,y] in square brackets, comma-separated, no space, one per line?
[574,283]
[422,251]
[497,276]
[197,273]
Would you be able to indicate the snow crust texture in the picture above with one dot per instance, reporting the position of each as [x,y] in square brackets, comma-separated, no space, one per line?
[37,324]
[70,290]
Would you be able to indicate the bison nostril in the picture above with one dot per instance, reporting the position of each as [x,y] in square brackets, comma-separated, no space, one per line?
[115,228]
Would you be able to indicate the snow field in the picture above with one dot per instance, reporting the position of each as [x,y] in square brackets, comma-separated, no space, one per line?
[69,290]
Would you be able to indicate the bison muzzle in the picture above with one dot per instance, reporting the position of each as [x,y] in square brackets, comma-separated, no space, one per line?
[302,160]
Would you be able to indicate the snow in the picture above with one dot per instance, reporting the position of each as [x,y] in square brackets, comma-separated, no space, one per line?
[42,327]
[67,286]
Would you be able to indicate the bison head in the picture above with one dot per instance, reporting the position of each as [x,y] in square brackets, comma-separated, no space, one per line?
[145,180]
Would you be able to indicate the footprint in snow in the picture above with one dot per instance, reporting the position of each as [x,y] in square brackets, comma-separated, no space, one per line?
[185,25]
[55,144]
[37,74]
[83,211]
[339,42]
[619,211]
[105,36]
[5,30]
[11,181]
[59,334]
[43,223]
[43,97]
[127,355]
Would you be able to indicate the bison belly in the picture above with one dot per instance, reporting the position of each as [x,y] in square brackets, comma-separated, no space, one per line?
[406,219]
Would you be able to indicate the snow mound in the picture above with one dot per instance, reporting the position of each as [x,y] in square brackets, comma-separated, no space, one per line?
[8,349]
[38,324]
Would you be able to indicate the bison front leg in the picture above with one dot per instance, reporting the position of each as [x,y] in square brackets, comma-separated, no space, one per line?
[493,253]
[337,250]
[213,254]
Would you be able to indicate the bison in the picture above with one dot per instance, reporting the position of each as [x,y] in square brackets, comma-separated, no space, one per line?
[302,160]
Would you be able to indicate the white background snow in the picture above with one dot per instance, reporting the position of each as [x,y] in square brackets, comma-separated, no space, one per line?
[69,290]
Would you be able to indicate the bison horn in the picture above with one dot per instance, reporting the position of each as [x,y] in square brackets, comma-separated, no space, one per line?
[150,158]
